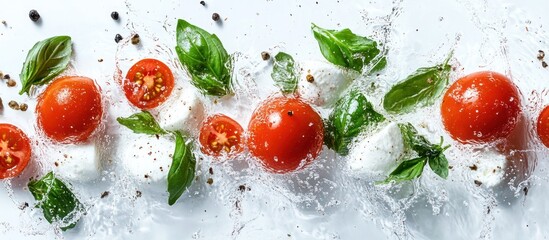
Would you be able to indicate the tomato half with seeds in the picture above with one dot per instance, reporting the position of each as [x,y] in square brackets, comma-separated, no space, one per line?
[15,151]
[285,134]
[148,83]
[70,109]
[221,134]
[543,126]
[481,107]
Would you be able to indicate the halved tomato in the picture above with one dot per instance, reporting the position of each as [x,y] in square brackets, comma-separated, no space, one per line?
[15,151]
[148,83]
[543,126]
[220,133]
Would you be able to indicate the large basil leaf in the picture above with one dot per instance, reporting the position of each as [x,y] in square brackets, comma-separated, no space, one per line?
[182,171]
[57,201]
[350,116]
[439,165]
[420,89]
[142,122]
[346,49]
[284,73]
[205,59]
[46,59]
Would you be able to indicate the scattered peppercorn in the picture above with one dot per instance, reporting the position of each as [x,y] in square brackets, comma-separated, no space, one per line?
[4,22]
[210,181]
[100,60]
[104,194]
[23,107]
[138,193]
[310,78]
[290,113]
[478,183]
[215,17]
[117,38]
[265,56]
[34,15]
[11,83]
[1,74]
[474,167]
[13,105]
[211,171]
[135,39]
[7,76]
[544,64]
[202,3]
[1,105]
[23,206]
[242,188]
[541,54]
[115,16]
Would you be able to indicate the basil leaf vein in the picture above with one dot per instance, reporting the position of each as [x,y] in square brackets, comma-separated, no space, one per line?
[46,59]
[205,59]
[419,89]
[57,201]
[182,171]
[284,73]
[142,122]
[346,49]
[350,116]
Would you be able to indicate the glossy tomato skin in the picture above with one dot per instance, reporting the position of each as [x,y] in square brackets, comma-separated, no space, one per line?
[70,109]
[221,134]
[285,134]
[481,107]
[148,84]
[15,151]
[543,126]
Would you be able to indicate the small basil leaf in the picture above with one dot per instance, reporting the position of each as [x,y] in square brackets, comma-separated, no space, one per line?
[346,49]
[407,170]
[182,171]
[439,165]
[420,89]
[205,59]
[417,142]
[284,73]
[142,122]
[46,59]
[57,201]
[350,116]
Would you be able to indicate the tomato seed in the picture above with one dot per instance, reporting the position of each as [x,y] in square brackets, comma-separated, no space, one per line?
[310,78]
[23,107]
[13,105]
[11,83]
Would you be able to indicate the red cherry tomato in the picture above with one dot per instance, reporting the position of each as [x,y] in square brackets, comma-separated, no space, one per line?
[543,126]
[220,133]
[286,134]
[15,151]
[70,109]
[148,83]
[481,107]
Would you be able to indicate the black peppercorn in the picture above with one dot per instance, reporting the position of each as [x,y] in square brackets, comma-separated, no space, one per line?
[265,56]
[115,16]
[215,17]
[202,3]
[34,15]
[7,76]
[135,39]
[118,38]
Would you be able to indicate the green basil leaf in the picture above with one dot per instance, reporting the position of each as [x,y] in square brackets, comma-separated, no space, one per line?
[205,59]
[350,116]
[182,171]
[439,165]
[142,122]
[346,49]
[420,89]
[407,170]
[46,59]
[416,142]
[284,73]
[57,201]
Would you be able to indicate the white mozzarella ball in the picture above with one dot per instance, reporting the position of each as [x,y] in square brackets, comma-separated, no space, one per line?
[489,168]
[184,111]
[379,153]
[321,83]
[76,162]
[146,158]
